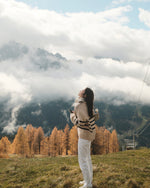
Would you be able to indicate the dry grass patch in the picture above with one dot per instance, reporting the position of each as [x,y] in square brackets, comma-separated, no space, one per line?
[117,170]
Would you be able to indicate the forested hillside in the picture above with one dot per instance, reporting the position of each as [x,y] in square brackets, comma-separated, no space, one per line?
[126,119]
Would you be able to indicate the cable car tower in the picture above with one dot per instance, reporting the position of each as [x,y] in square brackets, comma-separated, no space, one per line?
[140,131]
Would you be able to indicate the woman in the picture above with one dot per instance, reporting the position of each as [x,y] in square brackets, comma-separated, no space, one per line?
[84,117]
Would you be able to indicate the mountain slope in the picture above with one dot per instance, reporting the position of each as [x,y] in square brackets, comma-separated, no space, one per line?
[126,119]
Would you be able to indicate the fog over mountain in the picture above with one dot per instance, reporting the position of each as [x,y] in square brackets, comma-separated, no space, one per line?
[34,75]
[47,56]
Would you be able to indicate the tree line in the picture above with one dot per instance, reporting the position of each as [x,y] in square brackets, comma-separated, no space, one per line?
[31,141]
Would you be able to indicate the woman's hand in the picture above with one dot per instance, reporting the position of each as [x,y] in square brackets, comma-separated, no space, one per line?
[71,111]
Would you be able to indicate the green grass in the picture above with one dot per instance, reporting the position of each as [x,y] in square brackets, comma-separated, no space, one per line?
[118,170]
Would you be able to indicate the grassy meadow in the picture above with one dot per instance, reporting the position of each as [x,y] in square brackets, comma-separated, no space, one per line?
[128,169]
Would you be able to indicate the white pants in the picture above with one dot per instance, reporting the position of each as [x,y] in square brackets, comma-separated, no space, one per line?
[85,162]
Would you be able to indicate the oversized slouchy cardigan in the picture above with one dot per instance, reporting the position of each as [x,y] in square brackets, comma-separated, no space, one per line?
[85,124]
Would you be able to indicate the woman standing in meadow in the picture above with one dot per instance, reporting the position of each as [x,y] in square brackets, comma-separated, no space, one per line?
[84,117]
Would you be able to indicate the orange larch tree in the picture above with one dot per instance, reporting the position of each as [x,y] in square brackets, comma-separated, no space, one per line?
[54,142]
[45,146]
[73,141]
[60,135]
[30,131]
[107,135]
[101,140]
[5,146]
[38,137]
[66,140]
[21,143]
[114,140]
[95,147]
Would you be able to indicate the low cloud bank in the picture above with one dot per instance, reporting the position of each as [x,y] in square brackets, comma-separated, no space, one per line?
[39,75]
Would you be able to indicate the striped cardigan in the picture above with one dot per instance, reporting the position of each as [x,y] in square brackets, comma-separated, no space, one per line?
[85,124]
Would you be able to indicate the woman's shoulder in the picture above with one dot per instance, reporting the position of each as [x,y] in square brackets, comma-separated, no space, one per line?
[80,105]
[78,102]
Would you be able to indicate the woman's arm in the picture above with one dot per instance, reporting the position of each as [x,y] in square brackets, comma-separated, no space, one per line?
[78,114]
[73,118]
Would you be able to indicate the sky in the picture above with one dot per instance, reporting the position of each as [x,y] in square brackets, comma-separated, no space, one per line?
[53,49]
[63,6]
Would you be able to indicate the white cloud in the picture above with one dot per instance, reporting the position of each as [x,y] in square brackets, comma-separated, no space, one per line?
[74,35]
[38,79]
[14,89]
[64,112]
[144,16]
[117,2]
[11,124]
[37,112]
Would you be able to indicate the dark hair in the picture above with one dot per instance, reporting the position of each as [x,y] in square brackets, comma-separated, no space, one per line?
[89,98]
